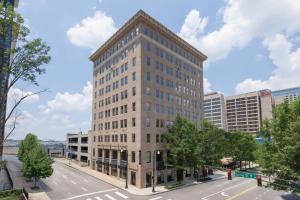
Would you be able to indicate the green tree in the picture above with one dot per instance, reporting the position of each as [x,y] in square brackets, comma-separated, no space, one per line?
[36,163]
[242,146]
[30,142]
[19,63]
[281,151]
[181,142]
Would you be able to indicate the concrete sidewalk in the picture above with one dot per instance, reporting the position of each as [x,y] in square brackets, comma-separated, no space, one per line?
[120,183]
[19,181]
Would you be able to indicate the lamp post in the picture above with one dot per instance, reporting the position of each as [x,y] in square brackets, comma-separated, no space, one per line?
[153,169]
[126,177]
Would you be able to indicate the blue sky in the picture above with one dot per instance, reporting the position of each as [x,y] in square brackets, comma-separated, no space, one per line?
[251,45]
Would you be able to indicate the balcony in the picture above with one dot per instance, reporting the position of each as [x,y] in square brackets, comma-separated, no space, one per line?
[123,163]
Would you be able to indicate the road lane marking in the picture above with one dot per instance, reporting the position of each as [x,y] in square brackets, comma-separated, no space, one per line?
[98,198]
[84,189]
[92,193]
[110,197]
[205,198]
[241,193]
[155,198]
[225,195]
[73,182]
[121,195]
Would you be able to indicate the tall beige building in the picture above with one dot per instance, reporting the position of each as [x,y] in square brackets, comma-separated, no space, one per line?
[246,112]
[142,76]
[215,109]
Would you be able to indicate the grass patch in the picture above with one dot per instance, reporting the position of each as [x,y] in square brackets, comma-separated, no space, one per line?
[11,197]
[173,185]
[10,194]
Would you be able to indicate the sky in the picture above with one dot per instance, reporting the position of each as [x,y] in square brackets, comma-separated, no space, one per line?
[250,45]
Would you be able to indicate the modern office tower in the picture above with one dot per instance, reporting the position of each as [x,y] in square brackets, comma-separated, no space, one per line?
[215,109]
[142,76]
[79,147]
[246,112]
[289,95]
[5,45]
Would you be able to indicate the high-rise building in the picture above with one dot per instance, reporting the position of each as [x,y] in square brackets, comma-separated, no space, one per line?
[246,112]
[215,109]
[289,95]
[5,45]
[142,76]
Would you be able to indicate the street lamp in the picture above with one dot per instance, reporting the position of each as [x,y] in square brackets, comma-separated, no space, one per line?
[126,179]
[153,169]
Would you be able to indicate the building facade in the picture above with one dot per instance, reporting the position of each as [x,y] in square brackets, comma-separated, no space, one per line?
[142,76]
[215,109]
[246,112]
[290,95]
[78,147]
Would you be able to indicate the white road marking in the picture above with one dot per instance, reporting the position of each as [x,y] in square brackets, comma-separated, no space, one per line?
[225,195]
[98,198]
[54,182]
[73,182]
[89,199]
[121,195]
[205,198]
[84,189]
[110,197]
[92,193]
[155,198]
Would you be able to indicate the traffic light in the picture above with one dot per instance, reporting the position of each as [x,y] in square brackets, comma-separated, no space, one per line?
[259,182]
[229,174]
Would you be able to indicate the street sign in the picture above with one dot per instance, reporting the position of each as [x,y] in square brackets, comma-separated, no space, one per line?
[244,174]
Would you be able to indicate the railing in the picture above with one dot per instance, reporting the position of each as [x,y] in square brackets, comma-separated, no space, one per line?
[9,177]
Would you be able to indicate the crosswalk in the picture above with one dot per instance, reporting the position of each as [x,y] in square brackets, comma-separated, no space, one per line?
[109,196]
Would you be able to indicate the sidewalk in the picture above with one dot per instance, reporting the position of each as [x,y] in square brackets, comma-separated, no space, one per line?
[19,181]
[131,189]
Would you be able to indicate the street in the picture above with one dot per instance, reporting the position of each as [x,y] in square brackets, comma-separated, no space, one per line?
[68,183]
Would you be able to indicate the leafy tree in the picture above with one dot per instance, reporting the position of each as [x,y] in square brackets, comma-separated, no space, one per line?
[242,146]
[35,161]
[281,151]
[182,140]
[21,63]
[30,142]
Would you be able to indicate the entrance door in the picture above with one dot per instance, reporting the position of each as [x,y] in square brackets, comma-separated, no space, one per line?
[133,178]
[148,179]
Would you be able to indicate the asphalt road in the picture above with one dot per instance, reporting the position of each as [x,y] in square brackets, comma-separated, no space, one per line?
[67,183]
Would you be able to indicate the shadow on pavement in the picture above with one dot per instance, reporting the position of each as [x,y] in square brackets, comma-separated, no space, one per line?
[290,197]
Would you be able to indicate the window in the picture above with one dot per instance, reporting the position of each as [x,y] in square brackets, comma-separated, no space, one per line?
[147,122]
[148,138]
[140,157]
[133,61]
[133,156]
[162,138]
[148,76]
[133,76]
[148,61]
[133,91]
[133,122]
[93,151]
[148,156]
[133,106]
[133,137]
[125,137]
[157,138]
[148,108]
[148,91]
[157,123]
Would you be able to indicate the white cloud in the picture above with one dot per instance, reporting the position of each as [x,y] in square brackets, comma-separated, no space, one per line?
[206,86]
[243,21]
[15,94]
[287,62]
[93,31]
[71,102]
